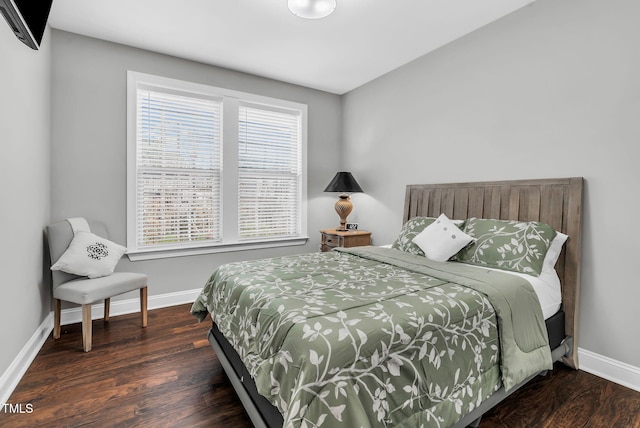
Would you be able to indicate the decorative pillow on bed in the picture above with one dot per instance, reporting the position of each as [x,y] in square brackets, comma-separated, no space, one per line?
[509,245]
[442,239]
[409,231]
[90,255]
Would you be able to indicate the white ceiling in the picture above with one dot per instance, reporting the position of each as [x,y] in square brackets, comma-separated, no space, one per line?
[360,41]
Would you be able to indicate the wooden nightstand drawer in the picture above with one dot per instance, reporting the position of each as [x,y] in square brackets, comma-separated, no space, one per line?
[332,238]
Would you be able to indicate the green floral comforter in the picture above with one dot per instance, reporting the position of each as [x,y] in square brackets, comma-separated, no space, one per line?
[374,337]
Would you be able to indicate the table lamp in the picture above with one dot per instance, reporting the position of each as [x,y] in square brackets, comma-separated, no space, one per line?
[344,183]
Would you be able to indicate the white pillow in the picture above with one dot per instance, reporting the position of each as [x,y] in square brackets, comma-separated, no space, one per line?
[442,239]
[90,255]
[553,252]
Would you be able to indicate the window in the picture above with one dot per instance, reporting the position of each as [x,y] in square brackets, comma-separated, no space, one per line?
[269,167]
[178,171]
[211,169]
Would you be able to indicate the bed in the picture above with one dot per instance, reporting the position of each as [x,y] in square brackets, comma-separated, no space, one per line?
[384,337]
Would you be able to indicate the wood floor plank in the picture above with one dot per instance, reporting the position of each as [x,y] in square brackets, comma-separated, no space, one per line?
[167,375]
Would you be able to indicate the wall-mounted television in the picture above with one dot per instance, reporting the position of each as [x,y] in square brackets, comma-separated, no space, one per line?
[27,19]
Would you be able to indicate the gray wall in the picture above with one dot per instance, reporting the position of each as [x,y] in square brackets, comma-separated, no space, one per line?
[89,145]
[551,90]
[24,178]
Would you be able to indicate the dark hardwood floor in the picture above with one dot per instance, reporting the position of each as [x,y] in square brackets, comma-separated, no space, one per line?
[167,375]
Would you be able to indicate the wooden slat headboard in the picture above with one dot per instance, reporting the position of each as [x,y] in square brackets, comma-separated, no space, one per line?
[556,201]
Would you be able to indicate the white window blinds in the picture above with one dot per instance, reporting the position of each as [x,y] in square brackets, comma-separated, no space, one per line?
[269,172]
[179,169]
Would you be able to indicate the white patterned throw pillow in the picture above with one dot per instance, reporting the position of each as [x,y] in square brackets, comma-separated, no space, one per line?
[442,239]
[90,255]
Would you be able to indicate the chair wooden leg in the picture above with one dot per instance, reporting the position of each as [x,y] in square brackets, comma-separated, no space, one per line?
[143,305]
[86,327]
[56,319]
[107,303]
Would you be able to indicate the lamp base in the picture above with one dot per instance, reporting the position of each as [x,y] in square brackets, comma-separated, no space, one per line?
[343,208]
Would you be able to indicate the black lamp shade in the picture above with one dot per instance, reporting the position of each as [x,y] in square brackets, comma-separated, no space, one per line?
[344,182]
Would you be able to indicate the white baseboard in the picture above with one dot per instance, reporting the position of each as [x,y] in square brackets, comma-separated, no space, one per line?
[609,369]
[18,367]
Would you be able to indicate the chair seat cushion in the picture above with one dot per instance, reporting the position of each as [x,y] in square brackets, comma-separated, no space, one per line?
[84,290]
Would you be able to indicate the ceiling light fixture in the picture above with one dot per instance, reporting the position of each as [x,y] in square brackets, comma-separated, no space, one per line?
[312,9]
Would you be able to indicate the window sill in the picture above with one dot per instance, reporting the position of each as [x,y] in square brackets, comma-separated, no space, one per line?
[140,255]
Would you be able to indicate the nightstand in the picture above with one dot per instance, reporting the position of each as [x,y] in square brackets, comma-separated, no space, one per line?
[331,238]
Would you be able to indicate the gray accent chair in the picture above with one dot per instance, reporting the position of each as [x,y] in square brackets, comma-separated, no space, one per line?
[85,291]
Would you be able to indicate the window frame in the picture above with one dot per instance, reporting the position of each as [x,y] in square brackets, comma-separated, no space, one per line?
[231,100]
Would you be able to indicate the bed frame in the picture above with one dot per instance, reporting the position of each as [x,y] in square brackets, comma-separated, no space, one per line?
[557,202]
